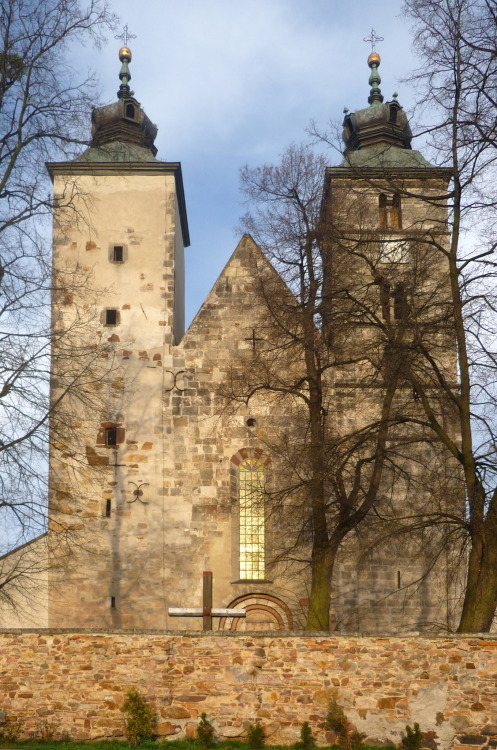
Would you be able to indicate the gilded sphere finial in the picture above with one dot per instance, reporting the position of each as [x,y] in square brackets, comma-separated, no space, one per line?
[125,54]
[374,59]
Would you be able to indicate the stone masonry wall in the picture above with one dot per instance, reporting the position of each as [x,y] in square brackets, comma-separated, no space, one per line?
[75,682]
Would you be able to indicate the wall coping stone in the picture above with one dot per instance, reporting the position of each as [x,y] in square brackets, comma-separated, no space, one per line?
[255,633]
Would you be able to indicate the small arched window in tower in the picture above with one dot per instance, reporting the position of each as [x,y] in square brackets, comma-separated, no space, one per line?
[130,110]
[383,211]
[252,531]
[396,212]
[110,436]
[390,211]
[393,115]
[108,507]
[400,302]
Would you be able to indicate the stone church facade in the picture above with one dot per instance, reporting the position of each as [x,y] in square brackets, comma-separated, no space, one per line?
[153,473]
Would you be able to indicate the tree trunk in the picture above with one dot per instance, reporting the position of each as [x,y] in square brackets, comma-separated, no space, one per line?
[318,613]
[480,598]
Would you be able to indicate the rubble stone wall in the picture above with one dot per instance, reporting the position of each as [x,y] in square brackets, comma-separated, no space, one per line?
[74,683]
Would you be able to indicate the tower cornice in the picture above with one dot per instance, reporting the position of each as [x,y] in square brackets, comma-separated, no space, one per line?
[389,173]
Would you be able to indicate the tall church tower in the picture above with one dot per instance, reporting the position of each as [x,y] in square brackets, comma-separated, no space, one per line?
[119,235]
[389,316]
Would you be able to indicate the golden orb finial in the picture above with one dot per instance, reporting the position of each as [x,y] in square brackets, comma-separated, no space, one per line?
[125,54]
[374,59]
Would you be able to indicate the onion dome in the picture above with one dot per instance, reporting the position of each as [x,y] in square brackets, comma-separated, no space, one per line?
[381,123]
[122,131]
[379,135]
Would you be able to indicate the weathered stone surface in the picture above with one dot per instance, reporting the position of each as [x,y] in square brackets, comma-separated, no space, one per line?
[472,739]
[176,712]
[180,675]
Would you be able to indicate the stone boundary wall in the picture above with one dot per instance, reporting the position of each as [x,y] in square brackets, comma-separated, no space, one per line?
[75,682]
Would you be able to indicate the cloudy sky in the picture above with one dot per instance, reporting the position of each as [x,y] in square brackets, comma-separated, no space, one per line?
[232,82]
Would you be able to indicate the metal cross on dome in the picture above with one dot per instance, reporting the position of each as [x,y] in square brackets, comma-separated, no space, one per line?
[125,36]
[373,38]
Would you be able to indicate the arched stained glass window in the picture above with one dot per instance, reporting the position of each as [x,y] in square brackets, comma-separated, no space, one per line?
[252,542]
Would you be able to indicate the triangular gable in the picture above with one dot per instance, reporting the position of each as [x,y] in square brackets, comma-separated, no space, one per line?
[247,261]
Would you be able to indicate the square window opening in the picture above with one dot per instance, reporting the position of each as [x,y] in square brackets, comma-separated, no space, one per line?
[111,317]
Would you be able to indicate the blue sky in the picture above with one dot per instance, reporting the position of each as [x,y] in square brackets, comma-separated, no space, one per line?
[232,82]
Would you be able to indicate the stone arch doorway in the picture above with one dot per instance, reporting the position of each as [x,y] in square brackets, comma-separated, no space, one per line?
[264,612]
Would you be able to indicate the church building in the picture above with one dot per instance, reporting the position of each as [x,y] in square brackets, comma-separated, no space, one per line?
[157,479]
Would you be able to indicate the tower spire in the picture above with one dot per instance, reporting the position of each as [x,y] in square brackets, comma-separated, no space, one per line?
[375,95]
[125,58]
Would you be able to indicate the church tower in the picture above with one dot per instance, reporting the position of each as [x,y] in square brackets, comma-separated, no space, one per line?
[387,282]
[120,229]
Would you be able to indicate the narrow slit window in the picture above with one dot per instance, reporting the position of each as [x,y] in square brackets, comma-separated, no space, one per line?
[399,302]
[385,300]
[108,508]
[111,317]
[396,212]
[110,436]
[113,602]
[252,526]
[393,115]
[382,203]
[117,254]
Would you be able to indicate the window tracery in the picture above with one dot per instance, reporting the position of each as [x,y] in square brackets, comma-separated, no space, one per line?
[252,523]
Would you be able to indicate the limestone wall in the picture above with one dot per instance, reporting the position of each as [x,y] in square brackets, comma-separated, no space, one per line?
[75,681]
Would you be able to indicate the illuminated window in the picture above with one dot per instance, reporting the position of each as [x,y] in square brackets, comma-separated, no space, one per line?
[252,540]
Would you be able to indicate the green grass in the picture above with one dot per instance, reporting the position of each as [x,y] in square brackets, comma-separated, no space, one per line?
[37,744]
[145,745]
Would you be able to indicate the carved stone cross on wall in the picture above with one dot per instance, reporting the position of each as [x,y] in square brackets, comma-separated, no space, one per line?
[253,339]
[206,611]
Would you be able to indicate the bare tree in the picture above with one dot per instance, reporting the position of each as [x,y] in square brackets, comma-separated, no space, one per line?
[44,108]
[457,42]
[342,456]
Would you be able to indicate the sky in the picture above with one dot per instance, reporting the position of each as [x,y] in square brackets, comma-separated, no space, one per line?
[232,82]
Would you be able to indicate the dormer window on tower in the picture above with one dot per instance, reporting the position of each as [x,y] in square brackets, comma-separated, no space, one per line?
[130,110]
[390,210]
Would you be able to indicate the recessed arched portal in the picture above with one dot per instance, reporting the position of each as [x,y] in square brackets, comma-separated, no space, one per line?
[264,612]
